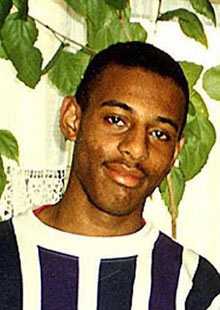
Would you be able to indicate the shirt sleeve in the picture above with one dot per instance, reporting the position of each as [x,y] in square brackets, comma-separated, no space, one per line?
[205,291]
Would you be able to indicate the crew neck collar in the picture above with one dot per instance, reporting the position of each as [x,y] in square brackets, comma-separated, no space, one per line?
[74,244]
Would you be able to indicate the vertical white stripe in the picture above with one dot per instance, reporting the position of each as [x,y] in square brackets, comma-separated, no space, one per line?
[30,268]
[189,265]
[88,283]
[142,283]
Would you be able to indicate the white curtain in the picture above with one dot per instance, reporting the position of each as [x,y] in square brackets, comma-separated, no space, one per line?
[32,115]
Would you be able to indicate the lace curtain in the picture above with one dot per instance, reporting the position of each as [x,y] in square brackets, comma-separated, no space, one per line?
[45,158]
[33,117]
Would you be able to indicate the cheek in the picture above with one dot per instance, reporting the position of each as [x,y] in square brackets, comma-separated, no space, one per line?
[162,160]
[93,150]
[101,143]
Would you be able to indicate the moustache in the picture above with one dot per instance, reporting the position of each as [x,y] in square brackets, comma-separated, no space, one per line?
[130,166]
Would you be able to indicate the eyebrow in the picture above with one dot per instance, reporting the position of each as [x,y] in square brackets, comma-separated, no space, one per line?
[117,104]
[169,121]
[124,106]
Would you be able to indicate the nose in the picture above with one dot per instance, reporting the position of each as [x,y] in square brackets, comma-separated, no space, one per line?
[133,146]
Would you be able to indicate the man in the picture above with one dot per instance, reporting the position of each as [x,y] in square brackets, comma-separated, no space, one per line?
[93,250]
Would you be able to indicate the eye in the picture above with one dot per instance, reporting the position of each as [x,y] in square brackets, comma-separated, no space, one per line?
[115,120]
[160,135]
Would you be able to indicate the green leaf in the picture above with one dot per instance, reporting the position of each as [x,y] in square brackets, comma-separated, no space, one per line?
[118,4]
[191,113]
[136,32]
[200,138]
[205,8]
[79,6]
[211,82]
[2,52]
[116,32]
[8,145]
[189,23]
[104,36]
[5,7]
[3,178]
[193,28]
[192,72]
[199,104]
[24,31]
[178,186]
[102,26]
[102,21]
[106,27]
[99,13]
[68,71]
[22,6]
[18,37]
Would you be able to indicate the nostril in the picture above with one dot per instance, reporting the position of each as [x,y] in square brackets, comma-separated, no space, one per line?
[133,146]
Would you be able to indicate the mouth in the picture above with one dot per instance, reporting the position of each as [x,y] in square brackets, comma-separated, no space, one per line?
[123,175]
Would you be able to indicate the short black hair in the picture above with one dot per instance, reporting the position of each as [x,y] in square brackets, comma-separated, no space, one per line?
[132,54]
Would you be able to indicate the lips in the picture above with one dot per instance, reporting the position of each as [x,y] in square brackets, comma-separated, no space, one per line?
[124,175]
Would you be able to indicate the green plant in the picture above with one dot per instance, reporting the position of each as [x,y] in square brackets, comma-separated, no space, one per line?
[199,132]
[107,22]
[9,149]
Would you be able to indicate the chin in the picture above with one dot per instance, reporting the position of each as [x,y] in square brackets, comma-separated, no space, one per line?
[116,211]
[116,205]
[111,198]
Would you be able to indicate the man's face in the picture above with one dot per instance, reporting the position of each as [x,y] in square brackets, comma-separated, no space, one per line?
[128,138]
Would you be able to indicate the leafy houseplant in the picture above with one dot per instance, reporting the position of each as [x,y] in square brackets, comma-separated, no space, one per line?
[9,149]
[108,22]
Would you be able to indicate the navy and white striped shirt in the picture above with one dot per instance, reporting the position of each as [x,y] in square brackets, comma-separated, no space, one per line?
[42,268]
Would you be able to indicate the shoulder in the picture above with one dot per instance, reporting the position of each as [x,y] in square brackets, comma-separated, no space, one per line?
[205,286]
[165,247]
[8,243]
[10,269]
[192,270]
[6,231]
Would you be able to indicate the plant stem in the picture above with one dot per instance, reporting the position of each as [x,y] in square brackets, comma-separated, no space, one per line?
[122,21]
[173,223]
[172,206]
[58,34]
[159,9]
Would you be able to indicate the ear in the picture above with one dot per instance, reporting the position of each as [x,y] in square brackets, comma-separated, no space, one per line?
[178,148]
[70,116]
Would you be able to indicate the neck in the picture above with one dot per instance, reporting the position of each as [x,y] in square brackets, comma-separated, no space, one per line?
[76,214]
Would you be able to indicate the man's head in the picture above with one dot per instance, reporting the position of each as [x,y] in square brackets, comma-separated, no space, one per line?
[131,55]
[127,121]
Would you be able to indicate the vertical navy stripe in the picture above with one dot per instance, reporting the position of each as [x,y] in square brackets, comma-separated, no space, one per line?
[206,285]
[116,279]
[166,264]
[10,269]
[59,280]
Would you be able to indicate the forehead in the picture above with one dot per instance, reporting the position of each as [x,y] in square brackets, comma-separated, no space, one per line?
[139,88]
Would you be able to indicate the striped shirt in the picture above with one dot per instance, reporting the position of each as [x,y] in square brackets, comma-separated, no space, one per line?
[42,268]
